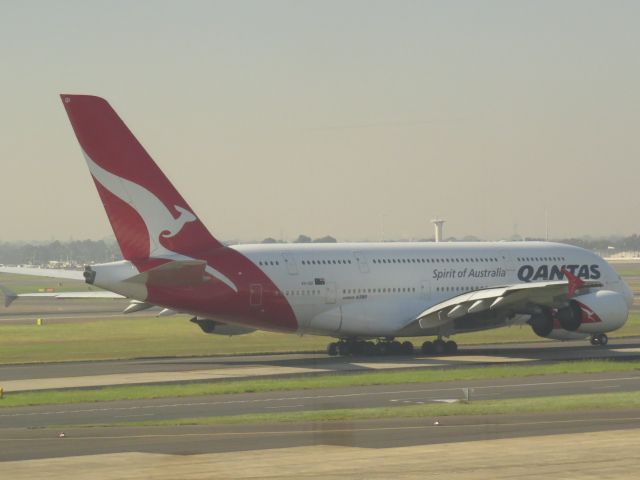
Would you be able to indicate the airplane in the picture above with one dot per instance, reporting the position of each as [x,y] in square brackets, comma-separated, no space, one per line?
[363,295]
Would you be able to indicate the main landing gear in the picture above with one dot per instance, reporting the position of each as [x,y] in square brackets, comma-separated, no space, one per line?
[389,346]
[439,346]
[348,346]
[599,339]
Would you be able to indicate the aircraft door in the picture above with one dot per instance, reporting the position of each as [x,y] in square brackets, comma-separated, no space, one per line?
[255,294]
[330,292]
[506,261]
[363,266]
[290,262]
[425,289]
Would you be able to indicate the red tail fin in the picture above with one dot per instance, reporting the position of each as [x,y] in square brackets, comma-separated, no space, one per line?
[148,216]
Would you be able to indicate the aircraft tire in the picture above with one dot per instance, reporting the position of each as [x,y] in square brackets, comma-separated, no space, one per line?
[427,348]
[343,349]
[332,349]
[369,348]
[439,347]
[451,347]
[407,348]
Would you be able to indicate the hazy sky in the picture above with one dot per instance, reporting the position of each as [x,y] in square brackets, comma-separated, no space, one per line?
[349,118]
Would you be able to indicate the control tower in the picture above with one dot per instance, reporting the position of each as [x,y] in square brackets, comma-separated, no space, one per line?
[439,226]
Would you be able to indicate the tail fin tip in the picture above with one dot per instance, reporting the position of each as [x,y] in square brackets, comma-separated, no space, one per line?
[145,210]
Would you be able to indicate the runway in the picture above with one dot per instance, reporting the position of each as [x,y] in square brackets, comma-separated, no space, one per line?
[23,444]
[316,399]
[171,370]
[30,446]
[29,432]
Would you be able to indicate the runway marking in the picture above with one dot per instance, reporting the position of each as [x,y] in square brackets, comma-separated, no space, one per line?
[383,366]
[136,415]
[154,377]
[313,397]
[286,406]
[481,359]
[70,436]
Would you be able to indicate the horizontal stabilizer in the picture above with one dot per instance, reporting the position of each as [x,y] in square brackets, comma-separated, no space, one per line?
[178,273]
[45,272]
[9,296]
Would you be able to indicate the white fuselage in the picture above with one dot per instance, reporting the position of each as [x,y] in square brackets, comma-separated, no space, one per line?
[378,289]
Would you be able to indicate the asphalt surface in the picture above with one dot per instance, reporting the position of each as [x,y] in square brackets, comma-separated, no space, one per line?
[624,349]
[23,444]
[316,399]
[27,432]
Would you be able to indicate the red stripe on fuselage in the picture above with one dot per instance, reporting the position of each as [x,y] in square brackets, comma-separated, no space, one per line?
[268,310]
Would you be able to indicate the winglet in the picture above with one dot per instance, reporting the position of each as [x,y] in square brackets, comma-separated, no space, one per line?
[9,295]
[575,283]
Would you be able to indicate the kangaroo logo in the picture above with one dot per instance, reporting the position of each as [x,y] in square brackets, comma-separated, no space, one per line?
[158,219]
[185,217]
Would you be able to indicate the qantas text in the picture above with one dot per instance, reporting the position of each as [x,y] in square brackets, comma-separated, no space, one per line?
[529,273]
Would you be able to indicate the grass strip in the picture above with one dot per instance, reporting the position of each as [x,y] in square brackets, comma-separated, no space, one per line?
[563,403]
[332,380]
[125,337]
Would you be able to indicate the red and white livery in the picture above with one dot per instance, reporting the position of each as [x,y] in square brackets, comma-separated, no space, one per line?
[355,292]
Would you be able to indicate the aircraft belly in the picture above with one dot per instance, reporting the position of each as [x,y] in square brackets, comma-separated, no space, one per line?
[327,322]
[378,317]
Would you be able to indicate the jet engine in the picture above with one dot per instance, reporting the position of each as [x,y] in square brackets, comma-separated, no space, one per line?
[597,312]
[218,328]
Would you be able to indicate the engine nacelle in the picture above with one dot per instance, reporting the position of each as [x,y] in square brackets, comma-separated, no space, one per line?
[602,311]
[598,312]
[218,328]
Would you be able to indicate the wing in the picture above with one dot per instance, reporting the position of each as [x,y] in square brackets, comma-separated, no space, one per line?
[522,298]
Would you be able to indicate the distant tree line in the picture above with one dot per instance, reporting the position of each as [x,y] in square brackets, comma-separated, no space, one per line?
[81,252]
[75,252]
[303,239]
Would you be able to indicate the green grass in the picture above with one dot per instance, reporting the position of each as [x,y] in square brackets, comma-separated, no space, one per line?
[564,403]
[127,337]
[625,270]
[308,383]
[135,337]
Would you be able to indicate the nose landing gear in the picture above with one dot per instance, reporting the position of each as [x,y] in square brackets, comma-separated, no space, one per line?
[599,339]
